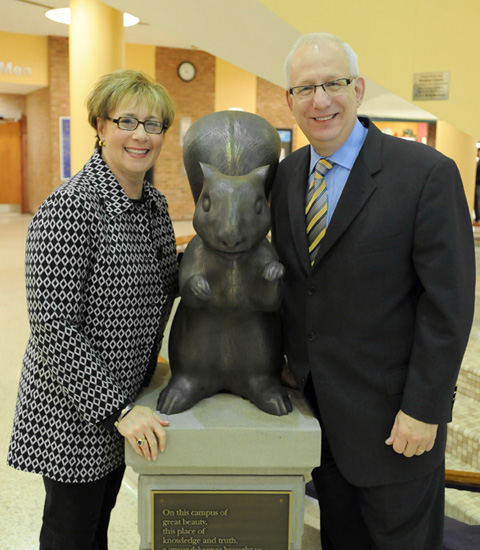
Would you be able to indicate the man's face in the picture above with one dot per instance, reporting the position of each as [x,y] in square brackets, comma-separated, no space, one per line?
[327,121]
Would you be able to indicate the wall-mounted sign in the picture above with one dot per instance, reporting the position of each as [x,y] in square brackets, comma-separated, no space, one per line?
[431,86]
[14,70]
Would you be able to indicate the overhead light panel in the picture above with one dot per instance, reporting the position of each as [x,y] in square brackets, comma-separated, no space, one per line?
[130,20]
[62,15]
[59,15]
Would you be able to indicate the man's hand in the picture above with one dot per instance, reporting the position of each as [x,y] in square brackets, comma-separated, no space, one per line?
[411,437]
[287,377]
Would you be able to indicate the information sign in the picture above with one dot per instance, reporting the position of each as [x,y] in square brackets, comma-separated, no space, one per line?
[431,86]
[221,520]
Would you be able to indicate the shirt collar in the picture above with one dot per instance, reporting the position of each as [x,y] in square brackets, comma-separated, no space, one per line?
[110,192]
[348,152]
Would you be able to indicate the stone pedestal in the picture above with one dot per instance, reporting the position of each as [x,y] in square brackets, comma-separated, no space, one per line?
[226,444]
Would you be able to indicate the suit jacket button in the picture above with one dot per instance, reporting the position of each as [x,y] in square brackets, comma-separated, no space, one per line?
[311,290]
[311,336]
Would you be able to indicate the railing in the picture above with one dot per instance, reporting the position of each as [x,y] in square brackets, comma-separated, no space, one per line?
[465,481]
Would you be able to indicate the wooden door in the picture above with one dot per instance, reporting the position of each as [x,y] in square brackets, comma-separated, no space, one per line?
[10,163]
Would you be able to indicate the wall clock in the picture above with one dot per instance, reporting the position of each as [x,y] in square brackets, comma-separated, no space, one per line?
[186,71]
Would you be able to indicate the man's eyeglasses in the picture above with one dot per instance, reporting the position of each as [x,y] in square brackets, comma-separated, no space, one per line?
[331,88]
[129,123]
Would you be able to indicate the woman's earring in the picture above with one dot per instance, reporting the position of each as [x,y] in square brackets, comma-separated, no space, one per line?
[102,143]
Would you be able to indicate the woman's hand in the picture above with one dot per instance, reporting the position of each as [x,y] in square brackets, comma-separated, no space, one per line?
[145,431]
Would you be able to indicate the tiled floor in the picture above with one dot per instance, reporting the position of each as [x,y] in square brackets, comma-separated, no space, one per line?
[21,495]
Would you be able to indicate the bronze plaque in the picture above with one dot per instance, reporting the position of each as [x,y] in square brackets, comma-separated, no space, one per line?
[221,520]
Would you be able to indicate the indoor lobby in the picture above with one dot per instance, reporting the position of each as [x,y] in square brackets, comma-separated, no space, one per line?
[22,494]
[236,49]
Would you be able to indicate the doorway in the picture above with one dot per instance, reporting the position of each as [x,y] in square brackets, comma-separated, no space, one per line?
[11,166]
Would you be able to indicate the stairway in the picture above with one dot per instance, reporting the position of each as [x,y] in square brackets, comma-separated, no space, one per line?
[463,442]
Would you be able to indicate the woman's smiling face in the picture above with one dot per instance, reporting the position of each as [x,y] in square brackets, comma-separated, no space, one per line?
[129,154]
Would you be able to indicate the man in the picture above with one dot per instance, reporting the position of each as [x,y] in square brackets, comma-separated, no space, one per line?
[377,317]
[476,203]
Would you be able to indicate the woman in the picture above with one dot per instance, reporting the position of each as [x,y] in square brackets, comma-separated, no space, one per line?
[101,277]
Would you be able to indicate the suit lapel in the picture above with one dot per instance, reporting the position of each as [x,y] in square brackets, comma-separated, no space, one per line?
[296,207]
[358,190]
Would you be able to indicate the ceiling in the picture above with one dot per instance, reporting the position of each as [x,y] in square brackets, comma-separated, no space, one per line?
[234,30]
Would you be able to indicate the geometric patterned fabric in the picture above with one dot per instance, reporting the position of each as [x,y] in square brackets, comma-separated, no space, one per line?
[316,208]
[101,277]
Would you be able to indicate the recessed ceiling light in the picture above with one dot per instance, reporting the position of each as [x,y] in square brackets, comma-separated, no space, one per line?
[59,15]
[130,20]
[62,15]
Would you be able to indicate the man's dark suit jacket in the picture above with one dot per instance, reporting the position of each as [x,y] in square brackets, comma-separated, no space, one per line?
[382,319]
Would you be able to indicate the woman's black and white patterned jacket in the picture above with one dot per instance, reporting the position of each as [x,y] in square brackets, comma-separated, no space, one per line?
[101,277]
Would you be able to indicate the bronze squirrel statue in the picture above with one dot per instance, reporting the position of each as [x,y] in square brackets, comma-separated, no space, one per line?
[226,333]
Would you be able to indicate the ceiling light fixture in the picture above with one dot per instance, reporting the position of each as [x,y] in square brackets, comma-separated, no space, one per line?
[130,20]
[59,15]
[62,15]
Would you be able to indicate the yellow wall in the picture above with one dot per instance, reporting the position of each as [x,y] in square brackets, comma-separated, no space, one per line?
[301,139]
[140,57]
[29,51]
[462,148]
[394,40]
[234,88]
[29,54]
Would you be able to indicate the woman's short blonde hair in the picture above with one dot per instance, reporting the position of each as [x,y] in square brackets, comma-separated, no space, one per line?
[126,85]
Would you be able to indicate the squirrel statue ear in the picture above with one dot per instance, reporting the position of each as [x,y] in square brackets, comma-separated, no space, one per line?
[208,170]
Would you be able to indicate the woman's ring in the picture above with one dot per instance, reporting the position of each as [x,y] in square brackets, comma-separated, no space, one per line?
[140,441]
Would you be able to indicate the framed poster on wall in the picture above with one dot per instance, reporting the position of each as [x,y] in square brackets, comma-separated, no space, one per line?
[286,140]
[65,164]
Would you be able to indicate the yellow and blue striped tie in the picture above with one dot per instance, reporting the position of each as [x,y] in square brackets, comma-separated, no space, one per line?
[316,209]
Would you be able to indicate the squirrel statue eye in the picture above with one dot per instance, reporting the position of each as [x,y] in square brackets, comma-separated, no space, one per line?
[206,203]
[259,206]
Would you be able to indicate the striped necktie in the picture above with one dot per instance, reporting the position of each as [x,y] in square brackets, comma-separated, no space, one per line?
[316,209]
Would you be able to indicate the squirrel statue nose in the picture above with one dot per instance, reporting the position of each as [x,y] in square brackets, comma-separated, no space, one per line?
[230,238]
[231,229]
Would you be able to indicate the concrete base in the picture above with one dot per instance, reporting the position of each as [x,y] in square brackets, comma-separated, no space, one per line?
[225,443]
